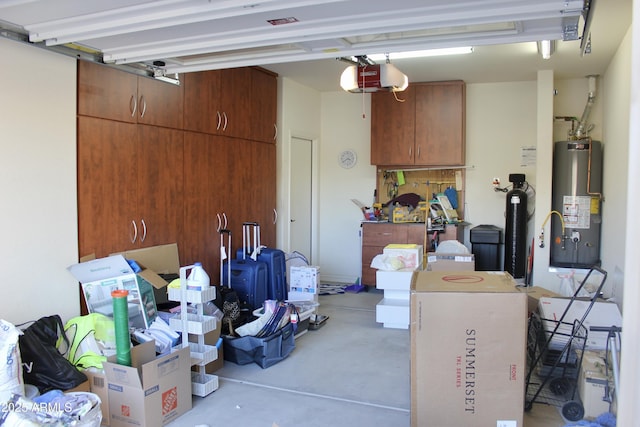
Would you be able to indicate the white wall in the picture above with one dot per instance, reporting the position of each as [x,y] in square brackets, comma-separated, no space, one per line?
[38,219]
[346,123]
[301,119]
[615,139]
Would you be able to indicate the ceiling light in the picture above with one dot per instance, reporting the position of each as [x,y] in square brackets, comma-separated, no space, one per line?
[546,48]
[422,53]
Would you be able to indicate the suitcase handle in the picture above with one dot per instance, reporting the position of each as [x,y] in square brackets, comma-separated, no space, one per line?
[246,240]
[223,256]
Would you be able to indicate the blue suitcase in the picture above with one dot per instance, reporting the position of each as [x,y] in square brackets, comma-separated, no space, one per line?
[248,278]
[275,260]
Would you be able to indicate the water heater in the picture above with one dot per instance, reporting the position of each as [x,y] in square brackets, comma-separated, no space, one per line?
[577,195]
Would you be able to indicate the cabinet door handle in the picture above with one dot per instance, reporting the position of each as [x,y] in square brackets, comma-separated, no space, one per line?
[133,105]
[418,152]
[143,106]
[275,216]
[144,231]
[410,151]
[224,215]
[219,223]
[219,120]
[135,232]
[225,121]
[275,132]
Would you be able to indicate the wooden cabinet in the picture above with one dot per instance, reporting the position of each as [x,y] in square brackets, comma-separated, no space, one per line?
[392,127]
[238,102]
[108,93]
[129,186]
[423,127]
[440,124]
[264,94]
[377,235]
[143,184]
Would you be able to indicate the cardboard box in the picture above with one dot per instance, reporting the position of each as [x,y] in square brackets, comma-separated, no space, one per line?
[534,293]
[152,391]
[468,341]
[161,259]
[600,314]
[409,254]
[99,277]
[98,386]
[450,262]
[304,279]
[591,383]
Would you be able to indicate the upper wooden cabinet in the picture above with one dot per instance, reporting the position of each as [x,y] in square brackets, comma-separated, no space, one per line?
[108,93]
[237,102]
[129,185]
[422,126]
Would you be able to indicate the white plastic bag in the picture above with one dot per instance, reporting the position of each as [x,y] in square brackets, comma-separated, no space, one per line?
[568,286]
[10,362]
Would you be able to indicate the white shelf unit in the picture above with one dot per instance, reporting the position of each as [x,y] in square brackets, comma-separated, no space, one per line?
[194,326]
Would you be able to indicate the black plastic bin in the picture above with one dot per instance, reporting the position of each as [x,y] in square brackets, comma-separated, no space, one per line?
[485,246]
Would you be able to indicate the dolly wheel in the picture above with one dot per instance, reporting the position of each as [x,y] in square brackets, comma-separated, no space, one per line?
[528,406]
[573,411]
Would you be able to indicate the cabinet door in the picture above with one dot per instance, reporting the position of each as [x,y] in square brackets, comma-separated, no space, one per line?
[235,102]
[264,93]
[440,116]
[201,101]
[106,92]
[392,128]
[263,190]
[206,194]
[106,185]
[160,103]
[159,155]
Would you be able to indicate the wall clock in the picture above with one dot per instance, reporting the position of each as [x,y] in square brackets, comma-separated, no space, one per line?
[348,159]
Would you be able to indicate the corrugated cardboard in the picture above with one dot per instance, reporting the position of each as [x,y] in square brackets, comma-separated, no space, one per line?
[600,313]
[152,391]
[591,383]
[99,277]
[450,262]
[468,341]
[534,293]
[98,385]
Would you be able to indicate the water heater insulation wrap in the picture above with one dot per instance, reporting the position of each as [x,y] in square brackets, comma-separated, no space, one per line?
[576,194]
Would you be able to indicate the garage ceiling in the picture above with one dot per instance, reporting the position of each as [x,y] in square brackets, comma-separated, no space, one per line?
[303,38]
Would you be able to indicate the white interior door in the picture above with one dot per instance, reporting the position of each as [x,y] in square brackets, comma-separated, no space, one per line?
[301,196]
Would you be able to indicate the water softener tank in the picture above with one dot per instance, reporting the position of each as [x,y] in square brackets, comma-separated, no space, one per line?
[515,237]
[576,195]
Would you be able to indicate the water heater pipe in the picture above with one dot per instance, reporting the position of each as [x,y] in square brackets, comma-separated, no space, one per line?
[581,130]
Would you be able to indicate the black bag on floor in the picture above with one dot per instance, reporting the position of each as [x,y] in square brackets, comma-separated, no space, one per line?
[43,365]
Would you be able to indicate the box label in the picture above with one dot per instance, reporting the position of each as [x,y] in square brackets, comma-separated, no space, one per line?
[168,366]
[169,401]
[151,390]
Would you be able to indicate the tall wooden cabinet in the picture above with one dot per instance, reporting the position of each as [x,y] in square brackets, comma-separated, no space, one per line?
[165,175]
[421,126]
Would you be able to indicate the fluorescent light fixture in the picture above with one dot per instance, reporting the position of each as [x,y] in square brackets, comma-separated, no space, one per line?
[422,53]
[546,48]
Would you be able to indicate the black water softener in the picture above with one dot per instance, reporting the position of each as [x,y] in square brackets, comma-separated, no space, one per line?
[515,237]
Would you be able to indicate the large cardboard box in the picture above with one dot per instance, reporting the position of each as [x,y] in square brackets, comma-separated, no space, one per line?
[598,313]
[99,277]
[98,385]
[534,293]
[468,341]
[153,391]
[450,262]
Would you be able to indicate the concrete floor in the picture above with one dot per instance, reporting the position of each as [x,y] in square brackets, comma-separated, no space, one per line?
[350,372]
